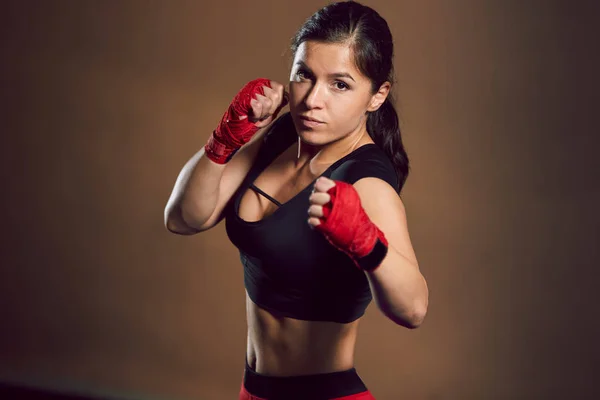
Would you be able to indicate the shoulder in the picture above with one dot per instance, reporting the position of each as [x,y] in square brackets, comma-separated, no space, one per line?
[368,161]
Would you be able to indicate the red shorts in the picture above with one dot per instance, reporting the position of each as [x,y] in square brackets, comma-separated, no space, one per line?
[341,385]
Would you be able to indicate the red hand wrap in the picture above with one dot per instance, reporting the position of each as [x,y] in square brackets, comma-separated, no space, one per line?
[347,226]
[232,133]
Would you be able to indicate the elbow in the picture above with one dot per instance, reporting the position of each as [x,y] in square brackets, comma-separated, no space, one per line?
[173,227]
[418,314]
[416,319]
[408,319]
[177,228]
[419,309]
[412,321]
[174,223]
[169,219]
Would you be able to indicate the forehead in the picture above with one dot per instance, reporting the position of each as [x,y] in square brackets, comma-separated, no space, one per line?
[326,57]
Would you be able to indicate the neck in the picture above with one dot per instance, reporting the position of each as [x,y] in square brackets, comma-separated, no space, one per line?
[319,157]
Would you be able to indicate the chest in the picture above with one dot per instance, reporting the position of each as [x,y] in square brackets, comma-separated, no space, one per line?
[279,183]
[285,251]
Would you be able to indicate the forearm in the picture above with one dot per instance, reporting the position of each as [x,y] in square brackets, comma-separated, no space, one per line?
[399,289]
[196,191]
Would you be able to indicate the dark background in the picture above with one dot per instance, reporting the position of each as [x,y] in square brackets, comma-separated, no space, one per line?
[102,102]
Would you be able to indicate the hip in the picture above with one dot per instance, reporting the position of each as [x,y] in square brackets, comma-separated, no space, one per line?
[339,385]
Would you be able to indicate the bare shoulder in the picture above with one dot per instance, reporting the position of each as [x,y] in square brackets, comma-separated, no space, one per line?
[377,194]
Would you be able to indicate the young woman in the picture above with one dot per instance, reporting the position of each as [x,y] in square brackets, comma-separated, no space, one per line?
[311,200]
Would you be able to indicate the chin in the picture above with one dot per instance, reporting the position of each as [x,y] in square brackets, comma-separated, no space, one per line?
[312,138]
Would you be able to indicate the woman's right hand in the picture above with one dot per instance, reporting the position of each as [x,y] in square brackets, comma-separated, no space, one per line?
[255,106]
[266,108]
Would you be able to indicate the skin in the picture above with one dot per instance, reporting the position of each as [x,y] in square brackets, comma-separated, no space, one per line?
[281,346]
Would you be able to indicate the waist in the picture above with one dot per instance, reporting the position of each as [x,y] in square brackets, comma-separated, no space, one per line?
[309,386]
[285,346]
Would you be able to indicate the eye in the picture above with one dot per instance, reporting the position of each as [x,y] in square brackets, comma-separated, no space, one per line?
[341,85]
[302,74]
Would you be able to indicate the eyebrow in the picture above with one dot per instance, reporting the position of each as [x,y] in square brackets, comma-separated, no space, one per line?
[334,75]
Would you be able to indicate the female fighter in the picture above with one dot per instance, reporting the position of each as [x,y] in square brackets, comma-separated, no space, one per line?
[311,200]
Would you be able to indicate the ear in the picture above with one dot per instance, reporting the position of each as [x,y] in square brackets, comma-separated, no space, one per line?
[378,98]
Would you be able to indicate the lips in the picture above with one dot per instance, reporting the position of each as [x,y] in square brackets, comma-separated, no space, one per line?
[304,117]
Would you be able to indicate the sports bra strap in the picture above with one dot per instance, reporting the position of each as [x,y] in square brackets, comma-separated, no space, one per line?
[253,187]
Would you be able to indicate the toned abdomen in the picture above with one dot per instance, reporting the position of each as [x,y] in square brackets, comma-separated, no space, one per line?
[284,346]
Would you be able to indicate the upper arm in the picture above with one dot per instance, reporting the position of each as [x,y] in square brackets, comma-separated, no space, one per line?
[233,175]
[385,208]
[271,137]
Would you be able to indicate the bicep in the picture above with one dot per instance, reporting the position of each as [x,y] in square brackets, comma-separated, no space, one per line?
[233,176]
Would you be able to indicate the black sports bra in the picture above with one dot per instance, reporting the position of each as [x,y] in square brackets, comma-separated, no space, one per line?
[290,269]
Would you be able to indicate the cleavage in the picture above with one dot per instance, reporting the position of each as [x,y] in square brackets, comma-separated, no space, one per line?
[280,181]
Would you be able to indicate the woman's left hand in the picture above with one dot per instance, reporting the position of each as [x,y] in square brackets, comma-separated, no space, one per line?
[318,199]
[336,211]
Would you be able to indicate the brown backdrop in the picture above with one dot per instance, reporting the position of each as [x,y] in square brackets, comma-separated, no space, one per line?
[104,101]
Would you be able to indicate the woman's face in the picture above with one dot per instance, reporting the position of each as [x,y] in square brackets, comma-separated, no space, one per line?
[326,85]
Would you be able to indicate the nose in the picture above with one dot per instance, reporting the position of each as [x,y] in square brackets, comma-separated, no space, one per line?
[314,97]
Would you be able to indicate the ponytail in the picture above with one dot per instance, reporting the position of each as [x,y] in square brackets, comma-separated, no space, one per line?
[384,128]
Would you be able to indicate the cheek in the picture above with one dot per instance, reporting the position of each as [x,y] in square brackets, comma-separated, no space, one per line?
[297,93]
[347,110]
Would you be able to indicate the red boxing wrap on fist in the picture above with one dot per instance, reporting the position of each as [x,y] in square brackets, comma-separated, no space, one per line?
[347,227]
[233,132]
